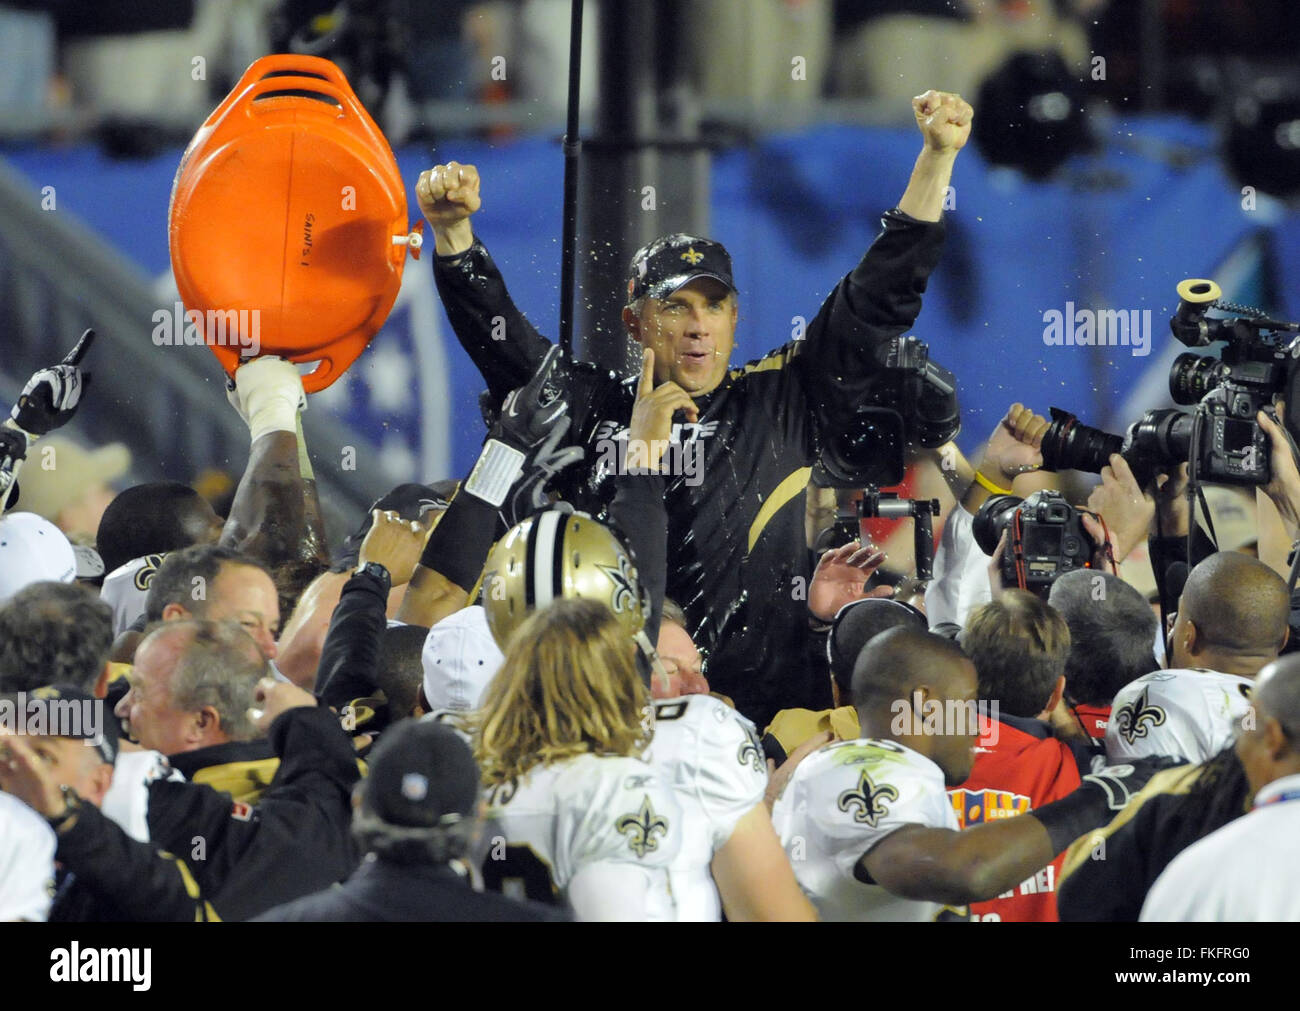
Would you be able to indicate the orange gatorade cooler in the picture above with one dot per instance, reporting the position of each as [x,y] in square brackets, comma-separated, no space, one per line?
[287,226]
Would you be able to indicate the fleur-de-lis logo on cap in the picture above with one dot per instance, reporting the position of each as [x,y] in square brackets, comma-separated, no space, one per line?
[692,257]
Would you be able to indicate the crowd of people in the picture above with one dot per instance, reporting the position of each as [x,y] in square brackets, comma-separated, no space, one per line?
[577,683]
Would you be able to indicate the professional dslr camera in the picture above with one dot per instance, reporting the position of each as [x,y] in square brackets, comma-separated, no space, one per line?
[1220,438]
[1045,537]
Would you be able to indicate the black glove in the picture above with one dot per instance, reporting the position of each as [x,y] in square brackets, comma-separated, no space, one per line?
[50,398]
[534,420]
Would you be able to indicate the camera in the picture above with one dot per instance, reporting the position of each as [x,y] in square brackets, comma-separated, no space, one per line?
[1045,537]
[1220,438]
[913,399]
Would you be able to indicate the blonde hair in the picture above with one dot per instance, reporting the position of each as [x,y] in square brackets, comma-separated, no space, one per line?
[569,686]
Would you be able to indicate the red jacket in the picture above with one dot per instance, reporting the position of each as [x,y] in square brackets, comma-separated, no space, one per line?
[1023,769]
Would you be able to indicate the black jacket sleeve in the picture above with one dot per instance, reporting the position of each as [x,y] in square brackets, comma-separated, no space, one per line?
[131,877]
[350,653]
[639,513]
[297,839]
[479,307]
[878,300]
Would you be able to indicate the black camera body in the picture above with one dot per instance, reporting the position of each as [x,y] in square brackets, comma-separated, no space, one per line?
[1045,537]
[1221,437]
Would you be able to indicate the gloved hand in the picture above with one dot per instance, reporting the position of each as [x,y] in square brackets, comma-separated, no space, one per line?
[1116,785]
[534,421]
[51,396]
[267,392]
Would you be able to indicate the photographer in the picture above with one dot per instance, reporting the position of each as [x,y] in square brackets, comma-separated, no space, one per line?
[735,536]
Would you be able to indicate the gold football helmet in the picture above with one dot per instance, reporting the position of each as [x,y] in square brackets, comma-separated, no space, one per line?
[556,554]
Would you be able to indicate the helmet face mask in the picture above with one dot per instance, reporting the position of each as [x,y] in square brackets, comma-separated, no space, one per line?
[557,554]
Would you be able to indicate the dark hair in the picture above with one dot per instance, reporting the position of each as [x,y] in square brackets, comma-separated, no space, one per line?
[146,519]
[1112,634]
[400,670]
[53,633]
[1018,646]
[291,580]
[173,583]
[898,659]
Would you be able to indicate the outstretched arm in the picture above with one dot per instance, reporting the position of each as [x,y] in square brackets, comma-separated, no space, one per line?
[505,347]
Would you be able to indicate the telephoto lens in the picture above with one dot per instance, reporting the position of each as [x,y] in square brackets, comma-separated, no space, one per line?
[1068,444]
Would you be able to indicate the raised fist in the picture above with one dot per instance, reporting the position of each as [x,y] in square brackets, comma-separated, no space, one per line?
[448,194]
[944,120]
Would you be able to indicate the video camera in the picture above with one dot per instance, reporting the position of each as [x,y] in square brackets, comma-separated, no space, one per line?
[913,399]
[1221,438]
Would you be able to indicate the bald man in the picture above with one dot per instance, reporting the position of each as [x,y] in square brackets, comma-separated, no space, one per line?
[867,823]
[1232,621]
[1249,870]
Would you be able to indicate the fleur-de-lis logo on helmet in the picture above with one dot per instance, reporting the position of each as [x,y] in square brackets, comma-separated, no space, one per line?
[642,829]
[1138,718]
[624,596]
[868,799]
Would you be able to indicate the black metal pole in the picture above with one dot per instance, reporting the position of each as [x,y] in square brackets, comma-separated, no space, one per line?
[569,238]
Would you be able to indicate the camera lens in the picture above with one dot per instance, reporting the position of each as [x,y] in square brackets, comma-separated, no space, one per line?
[1070,445]
[1191,377]
[992,519]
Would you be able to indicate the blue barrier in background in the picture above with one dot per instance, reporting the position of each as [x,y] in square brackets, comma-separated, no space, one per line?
[1117,230]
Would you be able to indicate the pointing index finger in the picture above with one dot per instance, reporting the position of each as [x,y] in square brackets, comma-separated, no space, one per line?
[79,352]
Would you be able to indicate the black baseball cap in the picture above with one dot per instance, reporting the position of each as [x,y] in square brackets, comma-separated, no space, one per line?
[422,775]
[671,261]
[87,723]
[856,624]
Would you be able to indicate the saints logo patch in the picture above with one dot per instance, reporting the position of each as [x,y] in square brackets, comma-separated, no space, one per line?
[1137,719]
[642,829]
[867,802]
[144,574]
[623,598]
[751,752]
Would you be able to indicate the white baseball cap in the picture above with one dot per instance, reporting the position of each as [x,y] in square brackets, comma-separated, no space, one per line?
[460,657]
[32,549]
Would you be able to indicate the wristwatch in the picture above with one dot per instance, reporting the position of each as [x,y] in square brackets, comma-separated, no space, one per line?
[377,571]
[71,808]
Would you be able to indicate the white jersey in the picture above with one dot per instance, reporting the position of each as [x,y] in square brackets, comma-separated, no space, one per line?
[843,800]
[1191,714]
[1246,871]
[613,816]
[126,588]
[713,759]
[26,862]
[127,799]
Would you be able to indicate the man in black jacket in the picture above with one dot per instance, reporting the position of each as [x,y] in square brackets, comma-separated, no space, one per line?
[735,505]
[416,817]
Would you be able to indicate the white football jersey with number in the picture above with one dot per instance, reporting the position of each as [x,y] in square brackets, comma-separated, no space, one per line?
[839,803]
[1191,714]
[591,810]
[713,759]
